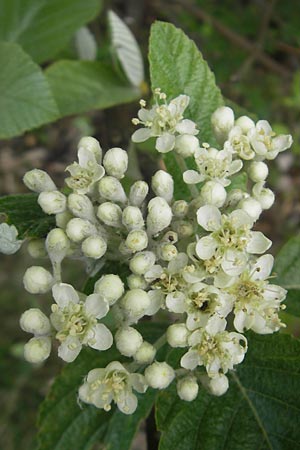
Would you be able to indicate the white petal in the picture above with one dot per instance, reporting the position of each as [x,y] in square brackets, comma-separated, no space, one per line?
[138,382]
[96,305]
[178,263]
[209,217]
[176,302]
[206,247]
[165,143]
[215,324]
[100,337]
[186,126]
[190,360]
[141,135]
[265,126]
[127,402]
[275,293]
[95,374]
[235,166]
[222,280]
[156,301]
[240,321]
[154,273]
[234,262]
[86,158]
[282,142]
[69,349]
[181,103]
[258,243]
[192,177]
[262,268]
[240,218]
[145,114]
[64,294]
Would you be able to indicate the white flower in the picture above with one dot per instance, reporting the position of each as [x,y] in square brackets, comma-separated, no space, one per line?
[213,164]
[238,143]
[266,143]
[113,383]
[85,173]
[76,321]
[164,121]
[8,239]
[217,352]
[256,302]
[222,121]
[37,349]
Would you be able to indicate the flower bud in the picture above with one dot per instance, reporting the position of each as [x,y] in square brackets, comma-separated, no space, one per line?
[110,287]
[159,215]
[167,252]
[37,349]
[234,197]
[81,206]
[136,282]
[52,202]
[110,214]
[79,229]
[38,181]
[159,375]
[183,228]
[266,198]
[128,341]
[187,388]
[222,121]
[37,280]
[57,244]
[180,209]
[177,335]
[251,206]
[245,123]
[170,237]
[218,385]
[115,162]
[142,262]
[35,321]
[91,144]
[94,247]
[145,354]
[138,192]
[258,171]
[135,303]
[63,218]
[163,185]
[111,189]
[213,193]
[36,248]
[132,218]
[186,145]
[137,240]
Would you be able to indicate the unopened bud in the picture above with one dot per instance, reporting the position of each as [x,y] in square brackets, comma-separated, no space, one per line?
[177,335]
[57,244]
[132,218]
[142,262]
[111,189]
[128,341]
[187,388]
[183,228]
[159,215]
[218,385]
[110,214]
[186,145]
[138,192]
[170,237]
[110,287]
[180,209]
[79,229]
[94,247]
[145,354]
[63,218]
[52,202]
[222,121]
[115,162]
[38,181]
[36,248]
[35,321]
[163,185]
[81,206]
[251,206]
[167,252]
[91,144]
[264,195]
[137,240]
[245,123]
[136,282]
[37,280]
[258,171]
[37,349]
[159,375]
[135,303]
[213,193]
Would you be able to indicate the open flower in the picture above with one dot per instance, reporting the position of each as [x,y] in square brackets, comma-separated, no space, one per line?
[113,383]
[75,321]
[265,142]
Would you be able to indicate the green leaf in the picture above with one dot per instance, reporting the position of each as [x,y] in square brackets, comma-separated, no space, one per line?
[177,67]
[79,86]
[26,101]
[286,268]
[64,425]
[24,212]
[259,412]
[43,27]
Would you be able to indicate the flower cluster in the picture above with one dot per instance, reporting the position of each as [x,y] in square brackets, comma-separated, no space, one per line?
[197,259]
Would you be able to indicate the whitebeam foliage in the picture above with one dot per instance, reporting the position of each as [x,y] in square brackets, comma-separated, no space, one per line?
[197,259]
